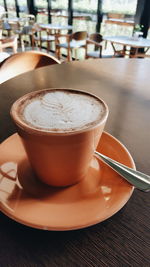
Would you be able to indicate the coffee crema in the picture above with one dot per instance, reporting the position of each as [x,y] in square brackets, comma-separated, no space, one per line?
[61,110]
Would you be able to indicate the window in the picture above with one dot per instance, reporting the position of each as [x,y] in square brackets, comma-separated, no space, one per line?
[42,14]
[119,10]
[120,6]
[59,12]
[85,15]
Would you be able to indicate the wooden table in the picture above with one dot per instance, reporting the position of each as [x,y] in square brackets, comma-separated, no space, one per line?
[122,240]
[126,41]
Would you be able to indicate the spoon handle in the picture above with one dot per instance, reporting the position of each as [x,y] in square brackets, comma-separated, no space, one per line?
[136,178]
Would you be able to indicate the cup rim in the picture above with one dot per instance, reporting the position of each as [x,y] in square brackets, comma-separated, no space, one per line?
[37,131]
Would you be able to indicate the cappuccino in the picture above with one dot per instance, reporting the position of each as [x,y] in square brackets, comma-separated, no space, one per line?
[61,110]
[60,130]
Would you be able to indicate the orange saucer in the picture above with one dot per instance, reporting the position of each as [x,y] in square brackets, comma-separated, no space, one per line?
[28,201]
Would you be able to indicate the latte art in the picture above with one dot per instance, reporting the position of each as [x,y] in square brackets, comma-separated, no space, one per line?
[62,110]
[57,102]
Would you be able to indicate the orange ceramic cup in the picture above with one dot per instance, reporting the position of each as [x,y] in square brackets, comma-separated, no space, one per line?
[58,159]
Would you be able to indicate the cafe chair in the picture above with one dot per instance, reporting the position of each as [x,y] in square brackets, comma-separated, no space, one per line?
[8,42]
[24,28]
[95,40]
[40,36]
[74,41]
[24,33]
[6,26]
[24,61]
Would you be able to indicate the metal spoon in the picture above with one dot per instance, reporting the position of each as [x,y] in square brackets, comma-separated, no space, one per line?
[136,178]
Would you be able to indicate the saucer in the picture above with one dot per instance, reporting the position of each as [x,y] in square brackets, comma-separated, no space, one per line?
[96,198]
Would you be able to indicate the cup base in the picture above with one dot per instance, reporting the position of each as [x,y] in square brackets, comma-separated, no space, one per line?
[35,186]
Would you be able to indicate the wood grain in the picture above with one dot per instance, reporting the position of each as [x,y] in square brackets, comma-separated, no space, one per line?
[122,240]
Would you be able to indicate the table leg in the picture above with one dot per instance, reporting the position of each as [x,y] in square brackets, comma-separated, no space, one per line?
[118,52]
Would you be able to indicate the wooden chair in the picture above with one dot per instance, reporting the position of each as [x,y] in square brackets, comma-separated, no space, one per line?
[23,62]
[24,29]
[94,39]
[6,26]
[6,42]
[27,30]
[41,35]
[23,32]
[74,41]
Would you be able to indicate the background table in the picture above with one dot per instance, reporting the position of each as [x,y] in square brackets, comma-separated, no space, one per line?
[131,42]
[56,27]
[122,240]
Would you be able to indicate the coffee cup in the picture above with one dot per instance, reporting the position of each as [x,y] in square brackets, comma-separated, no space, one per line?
[60,130]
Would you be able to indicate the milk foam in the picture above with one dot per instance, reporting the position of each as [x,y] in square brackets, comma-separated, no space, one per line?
[62,111]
